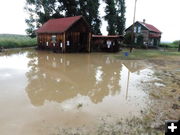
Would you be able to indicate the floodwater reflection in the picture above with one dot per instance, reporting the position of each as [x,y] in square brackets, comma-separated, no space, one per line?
[62,77]
[59,77]
[67,90]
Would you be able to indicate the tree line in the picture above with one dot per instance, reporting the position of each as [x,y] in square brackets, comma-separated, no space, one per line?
[41,11]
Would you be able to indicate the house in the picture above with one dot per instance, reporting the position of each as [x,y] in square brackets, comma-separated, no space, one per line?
[70,34]
[110,43]
[144,33]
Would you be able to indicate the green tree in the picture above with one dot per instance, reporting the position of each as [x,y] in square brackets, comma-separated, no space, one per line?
[176,42]
[115,16]
[70,7]
[121,20]
[89,9]
[41,11]
[110,16]
[128,38]
[140,40]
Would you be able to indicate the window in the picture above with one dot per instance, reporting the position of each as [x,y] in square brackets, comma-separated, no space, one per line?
[53,38]
[135,40]
[135,29]
[139,29]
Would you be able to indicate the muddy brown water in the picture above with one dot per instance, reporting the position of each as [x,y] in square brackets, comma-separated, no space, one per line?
[41,91]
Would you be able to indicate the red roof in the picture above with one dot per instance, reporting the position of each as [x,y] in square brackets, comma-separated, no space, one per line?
[58,25]
[150,27]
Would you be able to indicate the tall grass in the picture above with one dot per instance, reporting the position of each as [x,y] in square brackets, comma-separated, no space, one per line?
[16,41]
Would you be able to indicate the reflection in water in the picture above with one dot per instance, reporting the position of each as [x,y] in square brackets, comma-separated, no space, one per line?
[127,84]
[57,83]
[64,76]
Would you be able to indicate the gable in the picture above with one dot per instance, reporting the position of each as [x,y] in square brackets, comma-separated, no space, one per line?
[145,26]
[137,24]
[80,26]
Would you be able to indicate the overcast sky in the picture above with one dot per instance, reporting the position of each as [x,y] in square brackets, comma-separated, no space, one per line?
[163,14]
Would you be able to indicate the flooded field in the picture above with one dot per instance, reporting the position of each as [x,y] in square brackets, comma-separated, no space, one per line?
[43,93]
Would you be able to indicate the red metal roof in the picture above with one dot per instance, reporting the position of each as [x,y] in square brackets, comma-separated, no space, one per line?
[150,27]
[58,25]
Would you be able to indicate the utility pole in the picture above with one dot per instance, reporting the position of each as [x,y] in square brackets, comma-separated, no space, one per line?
[132,34]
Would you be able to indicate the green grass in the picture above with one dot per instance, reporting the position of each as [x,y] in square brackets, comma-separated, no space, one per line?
[140,54]
[16,41]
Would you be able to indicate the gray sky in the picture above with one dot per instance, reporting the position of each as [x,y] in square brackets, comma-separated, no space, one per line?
[163,14]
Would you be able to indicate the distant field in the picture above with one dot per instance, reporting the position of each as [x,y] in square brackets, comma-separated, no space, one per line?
[16,41]
[174,44]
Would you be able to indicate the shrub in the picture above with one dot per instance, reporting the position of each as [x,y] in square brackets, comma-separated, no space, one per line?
[128,38]
[140,40]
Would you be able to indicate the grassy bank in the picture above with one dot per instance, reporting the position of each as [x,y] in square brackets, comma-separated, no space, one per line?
[139,54]
[16,41]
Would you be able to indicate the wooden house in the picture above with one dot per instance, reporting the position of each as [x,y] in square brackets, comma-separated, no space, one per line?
[149,34]
[109,43]
[70,34]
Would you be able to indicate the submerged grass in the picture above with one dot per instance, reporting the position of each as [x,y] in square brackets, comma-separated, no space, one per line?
[140,54]
[16,41]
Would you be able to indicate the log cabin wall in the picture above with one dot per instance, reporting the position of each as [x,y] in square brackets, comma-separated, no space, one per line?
[76,38]
[78,35]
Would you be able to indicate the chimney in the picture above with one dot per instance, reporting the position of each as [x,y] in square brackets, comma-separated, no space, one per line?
[144,21]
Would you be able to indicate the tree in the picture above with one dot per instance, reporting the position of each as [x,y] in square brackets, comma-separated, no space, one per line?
[128,38]
[115,16]
[140,40]
[89,9]
[121,20]
[94,19]
[110,16]
[70,7]
[41,11]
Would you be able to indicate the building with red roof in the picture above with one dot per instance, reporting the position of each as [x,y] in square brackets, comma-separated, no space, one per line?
[70,34]
[144,33]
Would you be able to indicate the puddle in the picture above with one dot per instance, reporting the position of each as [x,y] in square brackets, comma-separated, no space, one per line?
[41,91]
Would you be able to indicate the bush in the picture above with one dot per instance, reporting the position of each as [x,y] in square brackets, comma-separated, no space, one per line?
[128,38]
[177,42]
[140,40]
